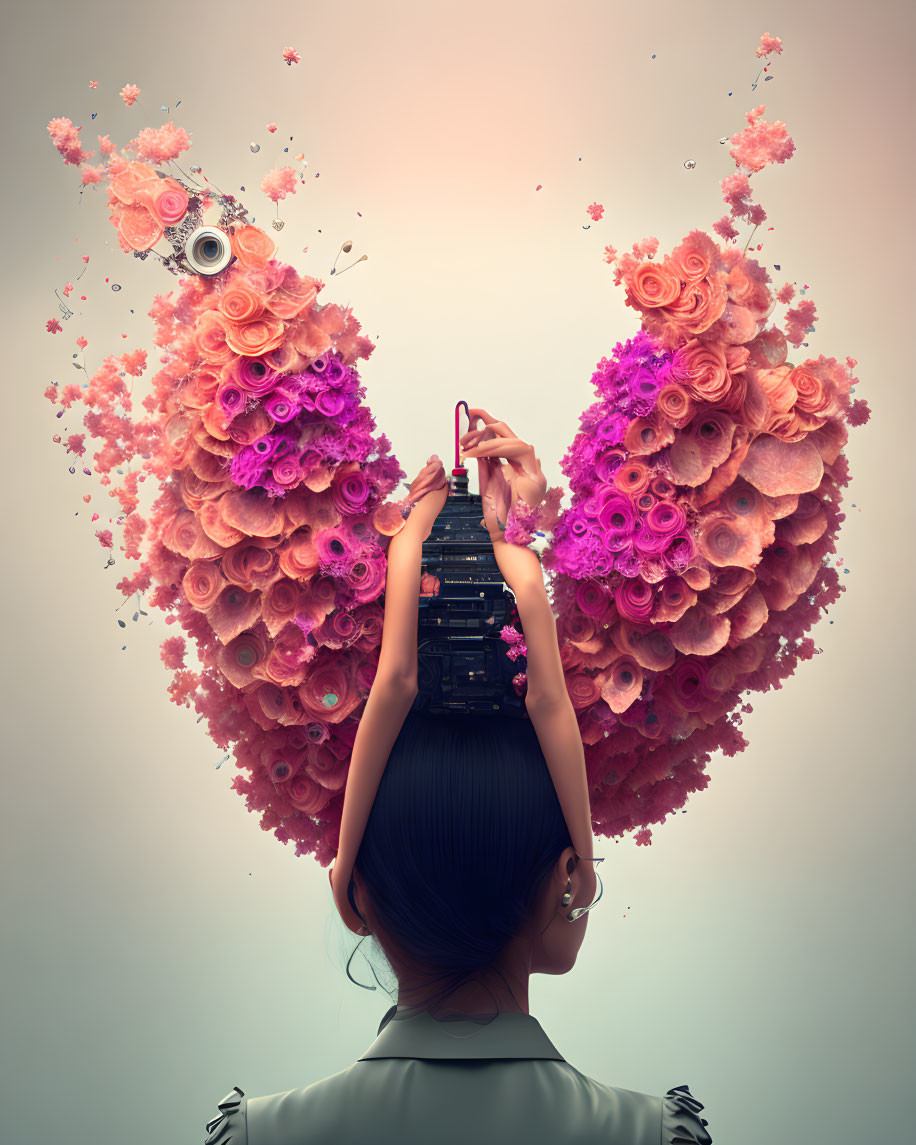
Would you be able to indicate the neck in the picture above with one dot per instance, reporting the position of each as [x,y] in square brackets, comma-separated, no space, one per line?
[505,984]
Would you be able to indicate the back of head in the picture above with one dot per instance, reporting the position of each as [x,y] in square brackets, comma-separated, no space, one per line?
[465,827]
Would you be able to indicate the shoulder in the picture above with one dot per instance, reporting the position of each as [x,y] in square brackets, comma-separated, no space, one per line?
[230,1126]
[669,1120]
[681,1121]
[306,1114]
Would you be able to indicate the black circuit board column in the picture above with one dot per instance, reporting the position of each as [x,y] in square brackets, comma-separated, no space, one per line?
[462,661]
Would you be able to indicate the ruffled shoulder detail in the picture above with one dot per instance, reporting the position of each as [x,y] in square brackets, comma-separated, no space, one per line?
[681,1124]
[231,1126]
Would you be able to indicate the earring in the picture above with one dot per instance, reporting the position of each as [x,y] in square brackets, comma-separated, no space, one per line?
[567,898]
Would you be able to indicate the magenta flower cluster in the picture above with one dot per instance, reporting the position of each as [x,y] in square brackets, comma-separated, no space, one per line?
[319,423]
[610,525]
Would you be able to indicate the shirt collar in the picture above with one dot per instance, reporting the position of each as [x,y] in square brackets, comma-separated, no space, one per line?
[508,1035]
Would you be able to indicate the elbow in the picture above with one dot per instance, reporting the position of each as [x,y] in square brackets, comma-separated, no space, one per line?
[547,702]
[399,684]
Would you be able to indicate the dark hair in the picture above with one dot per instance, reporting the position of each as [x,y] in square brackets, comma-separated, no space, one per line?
[465,827]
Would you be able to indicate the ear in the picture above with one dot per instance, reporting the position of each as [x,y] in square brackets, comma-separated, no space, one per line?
[570,869]
[351,920]
[566,870]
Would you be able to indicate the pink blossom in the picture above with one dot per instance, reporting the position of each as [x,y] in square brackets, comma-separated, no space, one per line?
[595,210]
[172,652]
[53,326]
[105,144]
[645,248]
[129,92]
[157,145]
[93,83]
[134,363]
[798,320]
[609,254]
[768,44]
[761,143]
[75,444]
[105,538]
[81,342]
[271,127]
[278,182]
[65,138]
[724,228]
[291,56]
[93,174]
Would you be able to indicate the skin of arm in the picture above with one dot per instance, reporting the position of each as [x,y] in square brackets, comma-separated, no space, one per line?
[547,700]
[391,695]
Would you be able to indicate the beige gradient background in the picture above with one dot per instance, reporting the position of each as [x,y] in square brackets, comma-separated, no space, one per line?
[158,947]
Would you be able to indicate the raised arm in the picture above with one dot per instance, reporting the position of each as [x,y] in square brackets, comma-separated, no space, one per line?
[547,699]
[395,686]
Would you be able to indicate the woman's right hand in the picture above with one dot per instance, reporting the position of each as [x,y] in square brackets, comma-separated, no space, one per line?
[427,495]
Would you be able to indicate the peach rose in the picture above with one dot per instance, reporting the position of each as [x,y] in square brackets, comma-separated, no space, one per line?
[202,584]
[675,405]
[778,388]
[740,287]
[240,303]
[305,794]
[814,395]
[137,228]
[130,182]
[654,285]
[251,246]
[737,325]
[252,339]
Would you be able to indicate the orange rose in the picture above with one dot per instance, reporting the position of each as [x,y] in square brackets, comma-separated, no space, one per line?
[700,304]
[252,339]
[210,338]
[654,285]
[294,294]
[251,246]
[702,367]
[240,303]
[814,396]
[632,477]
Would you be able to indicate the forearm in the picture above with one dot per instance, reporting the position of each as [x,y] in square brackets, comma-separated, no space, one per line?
[521,570]
[398,655]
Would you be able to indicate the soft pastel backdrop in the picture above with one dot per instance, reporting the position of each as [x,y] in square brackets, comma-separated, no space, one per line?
[158,947]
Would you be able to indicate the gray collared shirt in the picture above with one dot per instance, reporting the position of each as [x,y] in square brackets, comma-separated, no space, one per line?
[459,1082]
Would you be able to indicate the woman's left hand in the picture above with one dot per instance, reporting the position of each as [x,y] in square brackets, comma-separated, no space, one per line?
[501,485]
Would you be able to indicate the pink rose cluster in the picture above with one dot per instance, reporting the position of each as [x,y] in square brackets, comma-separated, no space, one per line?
[266,538]
[692,562]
